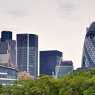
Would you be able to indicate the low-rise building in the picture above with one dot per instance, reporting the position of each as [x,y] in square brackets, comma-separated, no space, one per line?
[8,75]
[64,68]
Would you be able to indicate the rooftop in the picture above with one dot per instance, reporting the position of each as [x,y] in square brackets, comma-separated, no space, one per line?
[67,63]
[92,27]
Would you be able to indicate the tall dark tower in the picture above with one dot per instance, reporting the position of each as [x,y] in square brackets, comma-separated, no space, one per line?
[88,58]
[6,35]
[27,53]
[8,47]
[49,60]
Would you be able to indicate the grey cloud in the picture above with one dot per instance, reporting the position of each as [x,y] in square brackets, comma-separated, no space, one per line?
[15,8]
[21,8]
[17,13]
[67,7]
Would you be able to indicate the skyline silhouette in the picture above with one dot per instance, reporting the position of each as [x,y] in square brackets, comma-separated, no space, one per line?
[60,24]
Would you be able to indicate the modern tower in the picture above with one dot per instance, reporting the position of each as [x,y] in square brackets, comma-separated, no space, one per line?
[8,72]
[27,53]
[49,60]
[64,68]
[88,57]
[7,49]
[6,35]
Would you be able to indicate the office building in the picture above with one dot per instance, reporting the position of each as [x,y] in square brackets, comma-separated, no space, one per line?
[7,49]
[48,61]
[6,35]
[88,57]
[64,68]
[27,53]
[8,75]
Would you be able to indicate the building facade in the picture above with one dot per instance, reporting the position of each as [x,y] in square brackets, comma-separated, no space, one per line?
[6,35]
[27,53]
[8,75]
[7,48]
[88,57]
[49,60]
[64,68]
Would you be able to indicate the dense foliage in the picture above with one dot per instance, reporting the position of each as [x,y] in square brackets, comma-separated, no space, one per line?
[77,83]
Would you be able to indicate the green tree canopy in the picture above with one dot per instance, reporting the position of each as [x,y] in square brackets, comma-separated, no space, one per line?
[76,83]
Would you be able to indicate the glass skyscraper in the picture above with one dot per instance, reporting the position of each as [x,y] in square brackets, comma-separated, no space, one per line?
[6,35]
[7,48]
[27,53]
[8,72]
[49,60]
[88,57]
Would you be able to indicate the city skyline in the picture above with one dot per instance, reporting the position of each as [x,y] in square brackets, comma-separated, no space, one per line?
[60,24]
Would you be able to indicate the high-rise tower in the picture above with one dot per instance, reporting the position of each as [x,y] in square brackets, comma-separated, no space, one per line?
[8,72]
[49,60]
[7,49]
[88,57]
[6,35]
[27,53]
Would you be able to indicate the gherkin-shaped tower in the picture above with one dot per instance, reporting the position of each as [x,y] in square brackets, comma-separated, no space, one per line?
[88,57]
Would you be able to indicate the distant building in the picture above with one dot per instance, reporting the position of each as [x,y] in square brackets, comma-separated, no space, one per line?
[6,35]
[7,48]
[27,53]
[88,57]
[3,47]
[8,75]
[64,68]
[4,59]
[49,60]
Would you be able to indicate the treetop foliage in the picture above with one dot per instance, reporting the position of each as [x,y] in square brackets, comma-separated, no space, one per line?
[77,83]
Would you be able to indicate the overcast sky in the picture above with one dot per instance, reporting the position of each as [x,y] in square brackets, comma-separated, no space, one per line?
[60,24]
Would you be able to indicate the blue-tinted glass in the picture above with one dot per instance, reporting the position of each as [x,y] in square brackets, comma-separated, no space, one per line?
[48,61]
[27,53]
[33,40]
[6,35]
[22,40]
[88,58]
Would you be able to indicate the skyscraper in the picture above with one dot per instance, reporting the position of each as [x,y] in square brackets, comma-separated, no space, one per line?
[64,68]
[6,35]
[8,73]
[88,57]
[7,48]
[49,60]
[27,53]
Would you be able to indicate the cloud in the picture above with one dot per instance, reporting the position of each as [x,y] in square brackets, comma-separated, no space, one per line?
[16,13]
[15,8]
[67,7]
[20,8]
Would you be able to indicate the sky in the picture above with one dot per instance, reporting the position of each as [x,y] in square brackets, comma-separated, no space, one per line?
[60,24]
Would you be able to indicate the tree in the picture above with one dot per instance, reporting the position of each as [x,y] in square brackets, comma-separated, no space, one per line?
[24,76]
